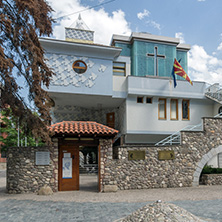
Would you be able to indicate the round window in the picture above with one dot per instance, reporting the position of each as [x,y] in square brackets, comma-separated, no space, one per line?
[79,66]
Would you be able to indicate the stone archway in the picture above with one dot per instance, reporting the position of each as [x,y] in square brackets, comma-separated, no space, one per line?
[202,162]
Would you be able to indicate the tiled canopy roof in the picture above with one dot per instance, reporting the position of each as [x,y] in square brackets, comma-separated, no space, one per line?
[86,128]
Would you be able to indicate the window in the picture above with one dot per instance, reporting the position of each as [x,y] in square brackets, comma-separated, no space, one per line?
[185,109]
[220,111]
[119,68]
[3,154]
[174,109]
[148,100]
[139,99]
[79,66]
[162,108]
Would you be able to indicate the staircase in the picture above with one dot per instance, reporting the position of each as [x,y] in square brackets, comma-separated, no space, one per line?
[175,137]
[213,92]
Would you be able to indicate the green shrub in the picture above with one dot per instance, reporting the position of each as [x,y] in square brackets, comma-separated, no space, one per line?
[210,170]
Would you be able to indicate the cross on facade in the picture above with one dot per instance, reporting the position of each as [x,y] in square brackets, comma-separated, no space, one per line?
[156,56]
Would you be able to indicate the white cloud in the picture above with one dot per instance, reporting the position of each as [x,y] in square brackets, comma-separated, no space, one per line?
[180,35]
[143,14]
[154,24]
[104,24]
[219,48]
[204,67]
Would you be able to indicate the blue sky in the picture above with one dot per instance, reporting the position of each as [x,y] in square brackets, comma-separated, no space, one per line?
[196,22]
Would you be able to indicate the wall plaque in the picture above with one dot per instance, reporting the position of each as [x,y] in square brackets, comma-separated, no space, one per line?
[136,155]
[166,155]
[42,158]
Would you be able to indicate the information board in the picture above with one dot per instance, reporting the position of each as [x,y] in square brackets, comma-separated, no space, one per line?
[166,155]
[136,155]
[42,158]
[67,166]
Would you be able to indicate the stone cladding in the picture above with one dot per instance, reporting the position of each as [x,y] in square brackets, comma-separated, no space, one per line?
[211,179]
[190,157]
[196,149]
[161,212]
[24,176]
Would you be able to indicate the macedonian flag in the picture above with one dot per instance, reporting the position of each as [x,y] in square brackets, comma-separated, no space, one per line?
[178,70]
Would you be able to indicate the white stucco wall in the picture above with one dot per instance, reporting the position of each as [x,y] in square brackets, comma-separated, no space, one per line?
[142,118]
[213,162]
[216,108]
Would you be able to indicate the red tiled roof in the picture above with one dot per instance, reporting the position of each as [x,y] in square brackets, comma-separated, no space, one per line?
[82,128]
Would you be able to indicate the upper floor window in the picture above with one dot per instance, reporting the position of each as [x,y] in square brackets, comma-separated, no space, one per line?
[119,68]
[162,108]
[174,109]
[79,66]
[139,99]
[185,109]
[149,99]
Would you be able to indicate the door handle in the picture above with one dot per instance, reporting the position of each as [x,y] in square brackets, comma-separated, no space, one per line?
[73,157]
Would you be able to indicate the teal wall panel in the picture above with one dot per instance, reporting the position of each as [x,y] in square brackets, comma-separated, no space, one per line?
[126,49]
[183,56]
[144,65]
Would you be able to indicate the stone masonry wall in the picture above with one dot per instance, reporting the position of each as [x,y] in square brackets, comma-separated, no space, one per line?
[211,179]
[106,153]
[23,176]
[155,173]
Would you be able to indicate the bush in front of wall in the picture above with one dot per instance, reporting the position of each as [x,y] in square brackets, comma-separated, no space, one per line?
[210,170]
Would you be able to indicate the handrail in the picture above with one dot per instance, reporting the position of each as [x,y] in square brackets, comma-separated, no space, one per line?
[171,139]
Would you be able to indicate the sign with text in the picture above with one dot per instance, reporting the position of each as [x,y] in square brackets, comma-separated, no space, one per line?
[136,155]
[166,155]
[42,158]
[66,167]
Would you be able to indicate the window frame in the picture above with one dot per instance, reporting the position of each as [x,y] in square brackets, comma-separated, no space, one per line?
[79,67]
[140,97]
[150,99]
[119,69]
[165,111]
[171,118]
[188,101]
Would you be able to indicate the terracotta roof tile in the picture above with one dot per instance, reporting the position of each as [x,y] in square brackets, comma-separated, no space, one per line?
[82,128]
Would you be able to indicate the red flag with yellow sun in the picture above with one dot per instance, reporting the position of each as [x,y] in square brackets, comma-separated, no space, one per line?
[178,70]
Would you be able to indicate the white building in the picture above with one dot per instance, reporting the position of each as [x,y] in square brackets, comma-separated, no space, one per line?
[127,85]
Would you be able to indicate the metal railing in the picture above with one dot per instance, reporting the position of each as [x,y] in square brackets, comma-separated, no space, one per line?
[214,92]
[175,138]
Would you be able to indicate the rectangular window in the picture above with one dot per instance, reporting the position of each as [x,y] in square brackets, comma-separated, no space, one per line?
[148,100]
[174,109]
[139,99]
[185,109]
[162,108]
[119,68]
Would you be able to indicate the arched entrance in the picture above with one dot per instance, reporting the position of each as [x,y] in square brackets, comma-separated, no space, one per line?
[200,165]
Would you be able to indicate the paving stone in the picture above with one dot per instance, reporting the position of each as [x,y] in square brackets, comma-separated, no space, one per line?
[46,211]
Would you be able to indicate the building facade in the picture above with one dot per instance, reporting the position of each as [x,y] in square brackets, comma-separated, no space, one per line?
[117,114]
[127,85]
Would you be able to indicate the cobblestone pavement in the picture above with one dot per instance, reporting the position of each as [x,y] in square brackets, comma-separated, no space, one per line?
[97,207]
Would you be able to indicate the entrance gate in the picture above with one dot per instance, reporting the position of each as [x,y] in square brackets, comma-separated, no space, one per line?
[68,167]
[69,163]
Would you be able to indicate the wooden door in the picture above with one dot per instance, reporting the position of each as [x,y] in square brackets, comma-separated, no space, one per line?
[68,167]
[110,119]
